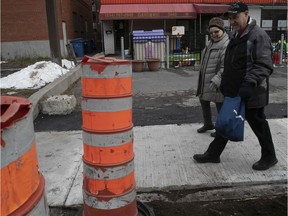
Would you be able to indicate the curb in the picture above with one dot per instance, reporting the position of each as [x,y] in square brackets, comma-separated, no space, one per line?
[57,87]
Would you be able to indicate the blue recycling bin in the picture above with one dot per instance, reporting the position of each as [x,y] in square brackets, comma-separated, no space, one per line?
[78,46]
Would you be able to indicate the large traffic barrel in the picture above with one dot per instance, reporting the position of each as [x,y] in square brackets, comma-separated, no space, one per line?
[22,185]
[108,161]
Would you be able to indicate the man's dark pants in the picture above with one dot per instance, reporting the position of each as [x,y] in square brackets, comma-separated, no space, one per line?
[258,123]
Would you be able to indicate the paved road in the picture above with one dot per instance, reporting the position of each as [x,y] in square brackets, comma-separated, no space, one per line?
[166,97]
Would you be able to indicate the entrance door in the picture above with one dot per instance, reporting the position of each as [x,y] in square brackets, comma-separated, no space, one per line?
[108,32]
[121,30]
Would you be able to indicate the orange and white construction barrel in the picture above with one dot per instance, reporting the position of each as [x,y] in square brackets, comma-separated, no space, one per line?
[22,185]
[108,161]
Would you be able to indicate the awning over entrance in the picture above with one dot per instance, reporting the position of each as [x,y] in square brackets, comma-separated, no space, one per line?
[211,8]
[147,11]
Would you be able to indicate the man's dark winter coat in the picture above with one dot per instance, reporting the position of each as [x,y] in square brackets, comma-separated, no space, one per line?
[248,61]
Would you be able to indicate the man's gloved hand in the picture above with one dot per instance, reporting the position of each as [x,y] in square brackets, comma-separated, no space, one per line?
[246,91]
[213,86]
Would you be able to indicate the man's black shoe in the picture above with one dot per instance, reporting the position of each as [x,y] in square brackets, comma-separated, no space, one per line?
[206,158]
[264,165]
[204,128]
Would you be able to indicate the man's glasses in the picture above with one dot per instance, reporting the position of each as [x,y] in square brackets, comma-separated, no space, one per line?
[214,32]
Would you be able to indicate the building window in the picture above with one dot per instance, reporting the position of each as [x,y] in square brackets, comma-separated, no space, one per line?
[86,26]
[75,22]
[282,25]
[82,24]
[267,25]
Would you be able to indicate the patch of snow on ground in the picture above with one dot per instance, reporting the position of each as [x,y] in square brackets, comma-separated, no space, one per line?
[36,76]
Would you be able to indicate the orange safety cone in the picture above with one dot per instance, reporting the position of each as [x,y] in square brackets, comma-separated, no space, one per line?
[108,162]
[22,185]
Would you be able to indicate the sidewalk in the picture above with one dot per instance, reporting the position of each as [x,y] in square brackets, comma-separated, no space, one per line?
[163,154]
[163,160]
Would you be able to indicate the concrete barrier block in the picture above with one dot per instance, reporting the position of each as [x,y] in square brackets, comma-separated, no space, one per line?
[58,105]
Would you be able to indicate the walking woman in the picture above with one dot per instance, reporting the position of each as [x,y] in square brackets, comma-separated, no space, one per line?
[212,66]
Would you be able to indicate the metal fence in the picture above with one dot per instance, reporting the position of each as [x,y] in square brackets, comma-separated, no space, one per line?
[172,51]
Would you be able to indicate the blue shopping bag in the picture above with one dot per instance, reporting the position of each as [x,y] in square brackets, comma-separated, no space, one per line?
[231,118]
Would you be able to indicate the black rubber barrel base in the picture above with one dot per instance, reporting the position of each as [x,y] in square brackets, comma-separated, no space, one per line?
[144,210]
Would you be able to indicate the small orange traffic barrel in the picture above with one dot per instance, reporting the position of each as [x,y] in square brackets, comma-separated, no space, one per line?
[22,185]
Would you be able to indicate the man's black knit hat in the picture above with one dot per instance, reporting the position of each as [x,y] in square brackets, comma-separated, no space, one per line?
[236,7]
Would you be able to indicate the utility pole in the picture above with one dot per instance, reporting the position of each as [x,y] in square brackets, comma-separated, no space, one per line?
[52,20]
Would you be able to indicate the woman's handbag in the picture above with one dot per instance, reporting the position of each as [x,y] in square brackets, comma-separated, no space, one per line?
[231,118]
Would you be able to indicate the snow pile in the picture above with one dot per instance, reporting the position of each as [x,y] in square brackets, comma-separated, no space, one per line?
[36,76]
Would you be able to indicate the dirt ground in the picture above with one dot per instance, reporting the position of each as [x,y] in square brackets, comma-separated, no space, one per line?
[267,206]
[263,206]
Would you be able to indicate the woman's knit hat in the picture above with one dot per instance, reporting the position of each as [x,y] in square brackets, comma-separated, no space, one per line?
[216,22]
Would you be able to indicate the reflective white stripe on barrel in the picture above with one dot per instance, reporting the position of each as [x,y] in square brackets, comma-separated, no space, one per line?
[106,172]
[111,71]
[107,105]
[113,203]
[18,140]
[107,139]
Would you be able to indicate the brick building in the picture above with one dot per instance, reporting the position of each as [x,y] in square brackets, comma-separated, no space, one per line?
[24,28]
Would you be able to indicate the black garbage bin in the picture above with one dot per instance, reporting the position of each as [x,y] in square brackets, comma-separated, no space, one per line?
[86,46]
